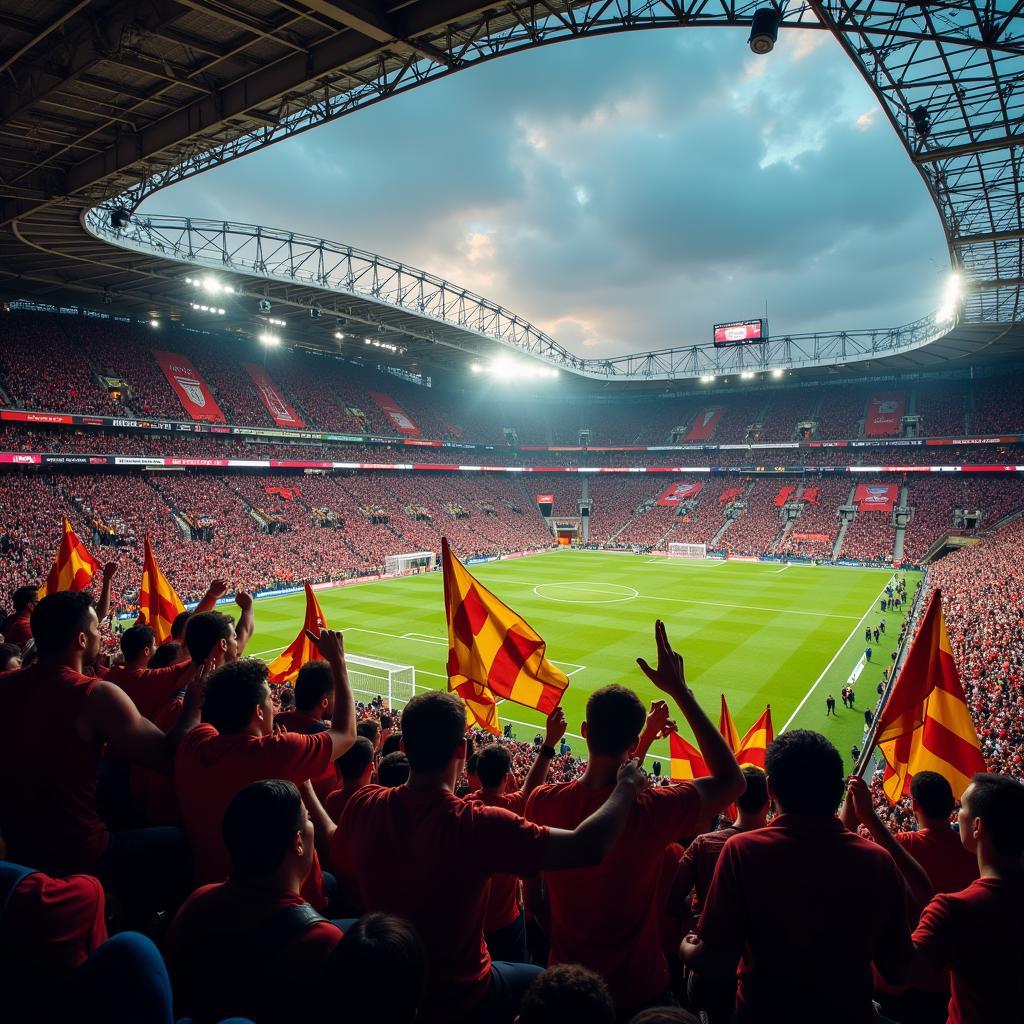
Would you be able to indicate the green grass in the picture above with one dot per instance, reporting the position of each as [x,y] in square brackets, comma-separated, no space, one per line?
[758,632]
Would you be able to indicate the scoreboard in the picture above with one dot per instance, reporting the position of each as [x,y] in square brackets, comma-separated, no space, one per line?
[741,332]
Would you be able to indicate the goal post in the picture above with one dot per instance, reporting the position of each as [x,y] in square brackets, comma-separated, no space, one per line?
[373,677]
[687,551]
[413,561]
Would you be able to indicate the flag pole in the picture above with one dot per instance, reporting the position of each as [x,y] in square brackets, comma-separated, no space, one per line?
[897,667]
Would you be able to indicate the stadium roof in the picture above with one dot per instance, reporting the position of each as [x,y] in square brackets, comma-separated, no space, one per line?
[112,101]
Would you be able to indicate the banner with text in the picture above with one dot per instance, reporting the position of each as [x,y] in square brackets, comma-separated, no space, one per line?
[191,389]
[876,497]
[885,414]
[283,414]
[704,424]
[402,423]
[785,493]
[821,538]
[545,499]
[676,494]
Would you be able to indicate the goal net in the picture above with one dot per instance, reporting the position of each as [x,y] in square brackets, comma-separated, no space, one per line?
[371,677]
[687,551]
[415,561]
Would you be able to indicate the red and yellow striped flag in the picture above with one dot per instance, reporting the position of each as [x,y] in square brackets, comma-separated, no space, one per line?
[754,745]
[494,649]
[727,729]
[926,724]
[159,605]
[285,667]
[73,567]
[687,762]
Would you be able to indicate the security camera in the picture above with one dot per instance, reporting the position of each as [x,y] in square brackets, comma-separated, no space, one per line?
[265,305]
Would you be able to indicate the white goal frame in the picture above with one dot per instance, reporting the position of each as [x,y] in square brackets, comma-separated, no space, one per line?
[399,565]
[677,550]
[393,681]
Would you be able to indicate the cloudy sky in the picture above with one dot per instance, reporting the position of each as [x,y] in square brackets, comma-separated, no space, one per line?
[622,193]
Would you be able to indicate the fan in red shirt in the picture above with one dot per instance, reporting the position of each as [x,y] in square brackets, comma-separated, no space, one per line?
[505,920]
[17,627]
[236,745]
[605,916]
[314,702]
[356,769]
[150,689]
[257,916]
[803,906]
[58,722]
[420,852]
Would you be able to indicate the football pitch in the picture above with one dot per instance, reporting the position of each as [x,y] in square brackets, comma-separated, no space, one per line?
[759,632]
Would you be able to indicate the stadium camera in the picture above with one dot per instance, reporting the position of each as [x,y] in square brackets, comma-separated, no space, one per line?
[315,312]
[120,218]
[264,305]
[764,30]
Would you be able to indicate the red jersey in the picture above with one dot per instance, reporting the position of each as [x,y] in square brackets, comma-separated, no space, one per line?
[218,936]
[427,856]
[503,903]
[152,791]
[804,906]
[606,917]
[149,688]
[48,772]
[17,628]
[209,769]
[695,869]
[50,927]
[947,864]
[307,725]
[976,934]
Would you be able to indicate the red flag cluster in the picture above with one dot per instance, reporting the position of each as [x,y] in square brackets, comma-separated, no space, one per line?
[687,762]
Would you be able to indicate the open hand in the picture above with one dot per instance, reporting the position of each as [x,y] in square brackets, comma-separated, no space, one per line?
[556,727]
[330,643]
[217,589]
[668,676]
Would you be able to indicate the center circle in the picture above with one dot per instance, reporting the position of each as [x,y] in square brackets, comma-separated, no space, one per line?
[586,592]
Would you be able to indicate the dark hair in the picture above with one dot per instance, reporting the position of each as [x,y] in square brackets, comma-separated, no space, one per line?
[260,824]
[755,796]
[312,684]
[433,726]
[471,762]
[999,801]
[232,692]
[493,764]
[355,760]
[615,717]
[380,956]
[204,631]
[135,639]
[58,619]
[7,652]
[806,773]
[166,654]
[567,992]
[179,624]
[393,770]
[23,597]
[370,728]
[665,1015]
[392,745]
[933,794]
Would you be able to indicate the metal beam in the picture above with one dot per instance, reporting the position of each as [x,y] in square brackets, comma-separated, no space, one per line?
[928,156]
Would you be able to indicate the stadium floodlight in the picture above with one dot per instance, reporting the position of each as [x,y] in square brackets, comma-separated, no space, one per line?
[269,339]
[764,30]
[951,297]
[338,336]
[276,321]
[778,372]
[154,322]
[475,368]
[707,378]
[747,375]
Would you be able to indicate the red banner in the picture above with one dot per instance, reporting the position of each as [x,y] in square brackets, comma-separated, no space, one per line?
[876,497]
[885,414]
[822,537]
[402,423]
[676,494]
[288,493]
[730,494]
[545,499]
[810,495]
[704,424]
[784,495]
[281,412]
[191,389]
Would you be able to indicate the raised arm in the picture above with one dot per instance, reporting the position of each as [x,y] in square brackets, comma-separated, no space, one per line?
[323,827]
[246,621]
[726,781]
[538,773]
[103,604]
[331,646]
[216,590]
[588,844]
[656,727]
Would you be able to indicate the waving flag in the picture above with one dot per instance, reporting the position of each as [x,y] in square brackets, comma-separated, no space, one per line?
[754,745]
[727,729]
[159,605]
[686,760]
[73,567]
[492,651]
[285,667]
[926,724]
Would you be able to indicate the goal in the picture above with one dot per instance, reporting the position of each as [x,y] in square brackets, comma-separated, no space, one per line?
[371,677]
[687,551]
[415,561]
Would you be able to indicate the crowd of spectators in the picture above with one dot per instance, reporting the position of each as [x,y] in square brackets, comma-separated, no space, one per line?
[870,537]
[754,531]
[820,518]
